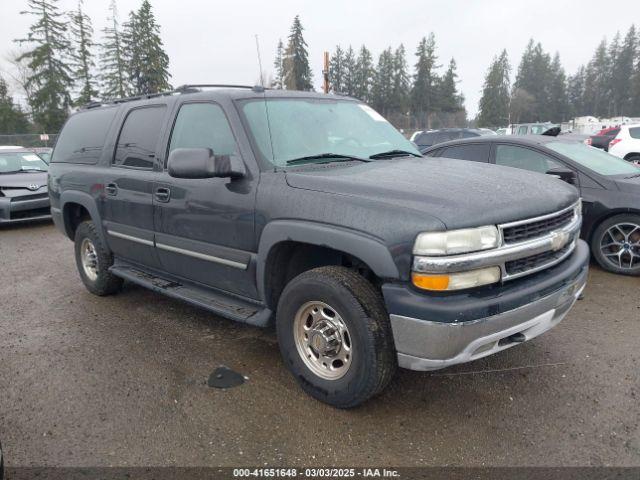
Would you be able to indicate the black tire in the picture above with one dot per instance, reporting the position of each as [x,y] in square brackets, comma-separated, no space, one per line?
[597,240]
[362,310]
[105,282]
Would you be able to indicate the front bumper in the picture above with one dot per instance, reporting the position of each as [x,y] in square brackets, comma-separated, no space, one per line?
[430,341]
[17,209]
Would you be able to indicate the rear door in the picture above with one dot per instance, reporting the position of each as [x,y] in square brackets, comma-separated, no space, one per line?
[128,186]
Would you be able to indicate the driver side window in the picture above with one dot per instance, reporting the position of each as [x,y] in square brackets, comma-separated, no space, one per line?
[525,158]
[203,125]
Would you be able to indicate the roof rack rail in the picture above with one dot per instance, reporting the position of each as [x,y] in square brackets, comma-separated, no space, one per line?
[188,88]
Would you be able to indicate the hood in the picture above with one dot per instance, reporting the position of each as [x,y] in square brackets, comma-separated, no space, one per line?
[459,193]
[15,184]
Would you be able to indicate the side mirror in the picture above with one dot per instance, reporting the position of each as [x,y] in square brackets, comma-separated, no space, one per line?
[564,174]
[202,163]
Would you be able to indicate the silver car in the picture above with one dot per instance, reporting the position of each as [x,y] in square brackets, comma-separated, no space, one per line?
[23,186]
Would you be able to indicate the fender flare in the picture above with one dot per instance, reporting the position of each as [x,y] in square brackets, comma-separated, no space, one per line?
[89,203]
[367,248]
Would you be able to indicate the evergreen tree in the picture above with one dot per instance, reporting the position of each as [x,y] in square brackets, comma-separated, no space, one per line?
[596,82]
[12,118]
[349,72]
[113,75]
[82,64]
[401,83]
[450,100]
[336,71]
[613,59]
[382,87]
[635,82]
[534,77]
[558,97]
[50,76]
[425,81]
[278,65]
[144,52]
[363,77]
[494,103]
[622,74]
[297,73]
[575,93]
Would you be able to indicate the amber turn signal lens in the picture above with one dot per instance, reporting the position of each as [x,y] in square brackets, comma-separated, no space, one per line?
[430,282]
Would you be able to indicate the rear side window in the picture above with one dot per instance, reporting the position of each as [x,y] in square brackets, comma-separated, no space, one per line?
[138,138]
[203,125]
[525,158]
[634,132]
[83,136]
[427,139]
[477,152]
[522,130]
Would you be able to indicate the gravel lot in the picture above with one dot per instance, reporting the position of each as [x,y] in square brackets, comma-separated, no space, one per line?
[121,381]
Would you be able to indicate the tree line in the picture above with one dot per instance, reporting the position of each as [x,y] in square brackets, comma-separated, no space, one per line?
[57,70]
[607,86]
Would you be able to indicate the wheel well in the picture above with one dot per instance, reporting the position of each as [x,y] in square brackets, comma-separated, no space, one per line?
[631,154]
[74,214]
[289,259]
[606,217]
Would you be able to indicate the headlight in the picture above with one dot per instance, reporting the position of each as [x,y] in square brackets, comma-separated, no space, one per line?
[456,281]
[457,241]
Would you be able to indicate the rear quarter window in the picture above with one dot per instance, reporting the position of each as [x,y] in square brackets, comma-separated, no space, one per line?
[476,152]
[83,136]
[634,132]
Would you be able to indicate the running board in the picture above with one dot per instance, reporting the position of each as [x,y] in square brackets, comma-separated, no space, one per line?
[219,303]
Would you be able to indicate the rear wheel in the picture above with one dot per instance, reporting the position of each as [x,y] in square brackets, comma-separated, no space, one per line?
[93,261]
[616,244]
[335,336]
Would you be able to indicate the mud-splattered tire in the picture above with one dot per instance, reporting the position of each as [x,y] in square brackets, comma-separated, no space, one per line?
[93,261]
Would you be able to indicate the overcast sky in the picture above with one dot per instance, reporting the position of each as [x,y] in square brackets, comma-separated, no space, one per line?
[213,40]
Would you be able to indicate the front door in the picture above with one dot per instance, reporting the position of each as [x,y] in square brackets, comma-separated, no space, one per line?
[205,227]
[128,187]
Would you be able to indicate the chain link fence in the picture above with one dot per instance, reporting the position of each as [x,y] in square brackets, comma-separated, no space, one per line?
[29,139]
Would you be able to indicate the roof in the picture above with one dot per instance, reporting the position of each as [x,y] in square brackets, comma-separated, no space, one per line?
[519,139]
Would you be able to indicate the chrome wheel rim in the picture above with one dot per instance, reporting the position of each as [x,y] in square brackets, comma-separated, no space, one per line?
[89,259]
[323,340]
[620,245]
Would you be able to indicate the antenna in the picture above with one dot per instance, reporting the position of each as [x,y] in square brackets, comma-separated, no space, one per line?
[259,61]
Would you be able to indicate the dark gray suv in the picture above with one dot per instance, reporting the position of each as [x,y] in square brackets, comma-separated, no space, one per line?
[313,212]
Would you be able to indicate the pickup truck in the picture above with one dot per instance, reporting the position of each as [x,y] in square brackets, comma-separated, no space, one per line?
[313,213]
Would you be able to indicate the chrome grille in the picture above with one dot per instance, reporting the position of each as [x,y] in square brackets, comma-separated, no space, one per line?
[536,262]
[536,228]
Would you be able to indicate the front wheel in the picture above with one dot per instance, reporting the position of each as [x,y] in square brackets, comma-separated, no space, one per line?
[335,336]
[616,244]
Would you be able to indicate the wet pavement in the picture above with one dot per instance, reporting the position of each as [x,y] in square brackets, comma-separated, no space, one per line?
[122,381]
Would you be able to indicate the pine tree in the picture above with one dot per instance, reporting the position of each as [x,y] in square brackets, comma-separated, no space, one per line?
[349,72]
[494,103]
[613,59]
[297,73]
[450,99]
[534,78]
[401,82]
[144,52]
[622,73]
[382,87]
[82,64]
[50,76]
[575,93]
[596,82]
[336,71]
[363,77]
[425,81]
[12,118]
[113,68]
[558,97]
[278,65]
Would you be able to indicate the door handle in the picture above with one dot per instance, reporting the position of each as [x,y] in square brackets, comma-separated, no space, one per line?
[111,189]
[163,194]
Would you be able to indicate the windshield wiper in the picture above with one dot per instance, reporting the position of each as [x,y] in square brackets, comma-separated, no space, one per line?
[333,157]
[393,153]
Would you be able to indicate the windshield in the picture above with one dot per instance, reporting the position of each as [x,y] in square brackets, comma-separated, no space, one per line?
[21,161]
[540,129]
[594,158]
[293,128]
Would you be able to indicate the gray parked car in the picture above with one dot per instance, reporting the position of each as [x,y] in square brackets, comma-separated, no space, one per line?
[23,186]
[313,212]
